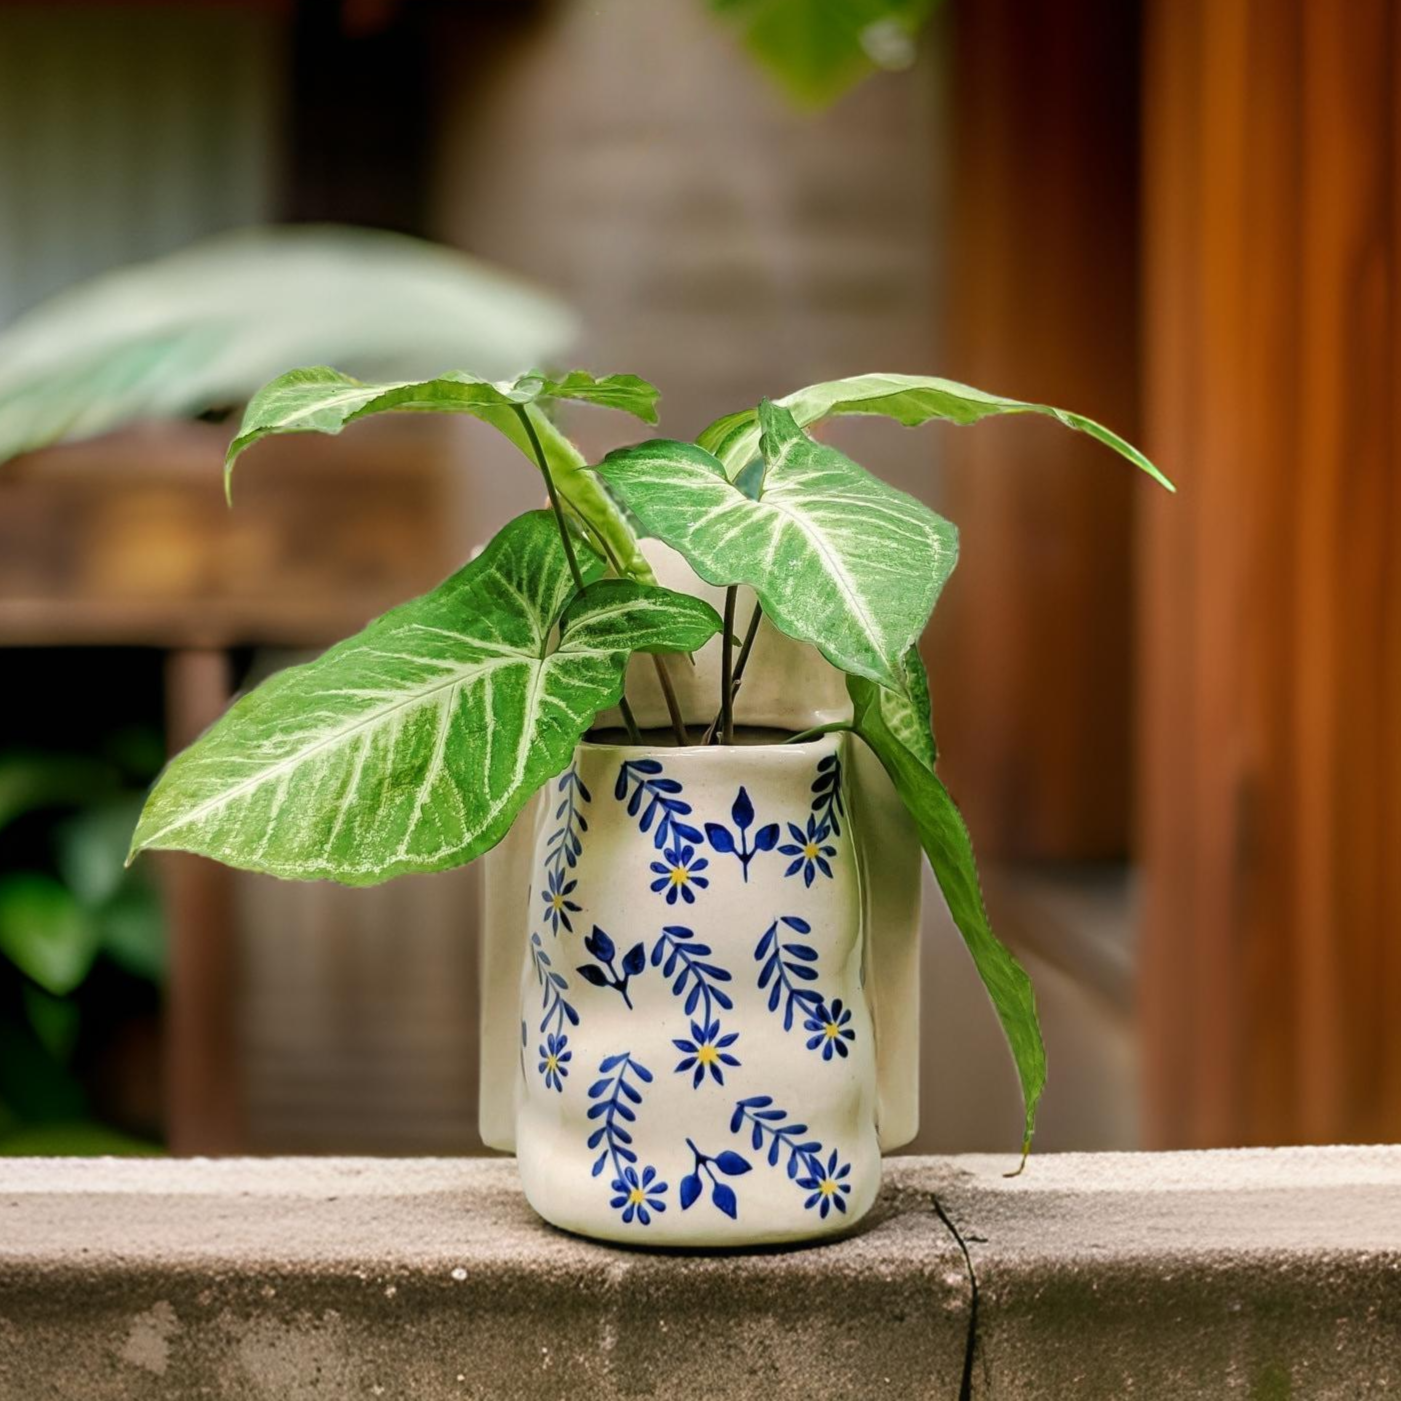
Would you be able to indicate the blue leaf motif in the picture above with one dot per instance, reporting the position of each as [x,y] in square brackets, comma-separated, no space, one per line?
[724,1198]
[742,812]
[719,837]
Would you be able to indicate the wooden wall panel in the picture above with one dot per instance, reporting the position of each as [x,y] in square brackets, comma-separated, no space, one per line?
[1031,650]
[1270,592]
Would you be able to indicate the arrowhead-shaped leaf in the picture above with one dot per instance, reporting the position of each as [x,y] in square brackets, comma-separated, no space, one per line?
[909,399]
[837,557]
[321,400]
[411,746]
[946,843]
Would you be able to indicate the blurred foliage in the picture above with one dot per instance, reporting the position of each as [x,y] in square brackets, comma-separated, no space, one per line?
[817,49]
[199,330]
[82,940]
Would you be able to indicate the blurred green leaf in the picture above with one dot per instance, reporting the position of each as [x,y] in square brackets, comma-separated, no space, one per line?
[35,1087]
[45,931]
[80,1139]
[131,928]
[55,1021]
[90,848]
[32,780]
[817,49]
[204,327]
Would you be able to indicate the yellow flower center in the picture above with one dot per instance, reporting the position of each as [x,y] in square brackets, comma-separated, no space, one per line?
[557,902]
[827,1187]
[707,1055]
[636,1196]
[551,1063]
[678,875]
[810,850]
[831,1030]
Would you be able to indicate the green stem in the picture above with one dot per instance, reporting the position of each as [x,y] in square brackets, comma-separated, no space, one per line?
[750,633]
[818,730]
[624,709]
[727,675]
[553,495]
[673,707]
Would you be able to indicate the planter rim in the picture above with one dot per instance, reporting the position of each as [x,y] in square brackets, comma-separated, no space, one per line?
[714,752]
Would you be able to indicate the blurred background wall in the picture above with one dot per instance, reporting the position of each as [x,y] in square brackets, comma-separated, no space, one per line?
[1170,722]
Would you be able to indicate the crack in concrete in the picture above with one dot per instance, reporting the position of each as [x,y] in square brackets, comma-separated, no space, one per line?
[970,1348]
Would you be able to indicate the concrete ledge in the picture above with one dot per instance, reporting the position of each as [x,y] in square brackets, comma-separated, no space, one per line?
[1266,1274]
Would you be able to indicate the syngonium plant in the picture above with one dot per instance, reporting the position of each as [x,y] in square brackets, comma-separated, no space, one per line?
[413,745]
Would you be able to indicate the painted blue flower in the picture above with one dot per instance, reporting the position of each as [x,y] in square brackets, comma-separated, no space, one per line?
[706,1051]
[558,905]
[554,1061]
[826,1185]
[830,1028]
[639,1195]
[737,843]
[679,872]
[809,850]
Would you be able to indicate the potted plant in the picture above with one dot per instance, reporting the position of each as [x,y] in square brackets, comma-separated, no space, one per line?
[697,1059]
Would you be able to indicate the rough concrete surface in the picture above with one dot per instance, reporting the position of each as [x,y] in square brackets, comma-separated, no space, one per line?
[1265,1274]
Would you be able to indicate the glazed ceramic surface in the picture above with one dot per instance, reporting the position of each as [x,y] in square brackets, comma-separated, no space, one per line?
[696,1054]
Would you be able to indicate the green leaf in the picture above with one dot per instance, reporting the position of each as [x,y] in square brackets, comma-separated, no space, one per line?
[322,400]
[908,716]
[909,399]
[837,557]
[946,843]
[413,745]
[202,328]
[818,49]
[45,932]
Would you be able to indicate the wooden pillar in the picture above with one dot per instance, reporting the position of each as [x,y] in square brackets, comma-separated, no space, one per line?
[1030,651]
[204,1110]
[1270,589]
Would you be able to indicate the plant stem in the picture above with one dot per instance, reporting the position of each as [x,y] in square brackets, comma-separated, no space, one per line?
[544,466]
[678,722]
[831,728]
[750,633]
[727,675]
[624,708]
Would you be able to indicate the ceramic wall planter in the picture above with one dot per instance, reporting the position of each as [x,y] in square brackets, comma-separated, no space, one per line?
[697,1062]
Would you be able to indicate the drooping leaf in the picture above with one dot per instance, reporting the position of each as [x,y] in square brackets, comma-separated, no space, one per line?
[413,745]
[202,328]
[909,399]
[817,49]
[947,845]
[321,400]
[908,716]
[837,557]
[45,932]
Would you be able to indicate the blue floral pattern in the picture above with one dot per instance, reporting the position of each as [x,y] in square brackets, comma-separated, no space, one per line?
[722,1195]
[558,905]
[642,780]
[810,850]
[615,1097]
[736,843]
[706,1050]
[826,1184]
[831,1028]
[554,1061]
[679,874]
[603,974]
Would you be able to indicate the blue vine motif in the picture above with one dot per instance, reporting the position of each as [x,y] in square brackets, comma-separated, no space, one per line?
[782,964]
[825,1183]
[680,871]
[809,851]
[665,806]
[614,1095]
[827,805]
[603,949]
[564,845]
[722,1194]
[556,1009]
[726,842]
[682,957]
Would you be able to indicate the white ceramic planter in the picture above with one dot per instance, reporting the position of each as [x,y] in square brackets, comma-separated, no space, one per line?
[696,1060]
